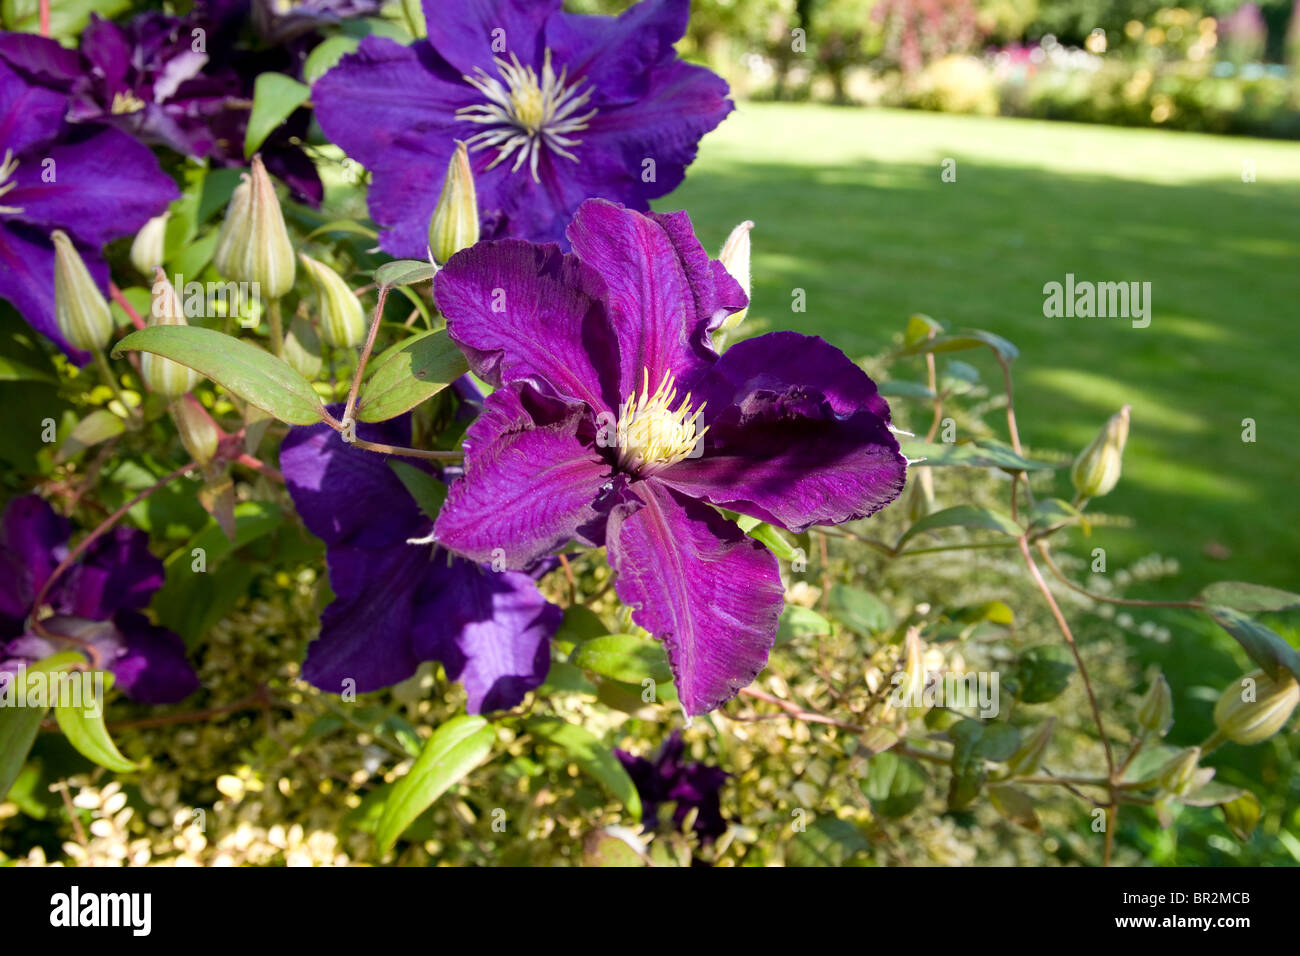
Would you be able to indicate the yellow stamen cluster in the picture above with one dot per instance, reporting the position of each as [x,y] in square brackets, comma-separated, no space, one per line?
[8,167]
[651,432]
[126,103]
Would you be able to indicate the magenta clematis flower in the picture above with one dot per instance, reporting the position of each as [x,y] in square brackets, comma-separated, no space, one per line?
[555,108]
[666,778]
[397,604]
[95,184]
[616,423]
[97,602]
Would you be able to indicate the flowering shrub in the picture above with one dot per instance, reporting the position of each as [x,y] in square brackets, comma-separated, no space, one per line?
[533,548]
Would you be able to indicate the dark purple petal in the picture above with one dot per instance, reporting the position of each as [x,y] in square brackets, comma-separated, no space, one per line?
[519,313]
[529,487]
[694,581]
[347,496]
[614,53]
[118,572]
[41,61]
[795,436]
[491,631]
[636,269]
[29,114]
[33,540]
[106,185]
[150,663]
[464,31]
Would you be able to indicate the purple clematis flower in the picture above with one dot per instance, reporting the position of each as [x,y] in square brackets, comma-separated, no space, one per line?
[95,184]
[555,107]
[586,438]
[96,602]
[690,786]
[398,604]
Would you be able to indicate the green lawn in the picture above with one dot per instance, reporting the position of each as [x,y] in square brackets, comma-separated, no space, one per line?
[850,206]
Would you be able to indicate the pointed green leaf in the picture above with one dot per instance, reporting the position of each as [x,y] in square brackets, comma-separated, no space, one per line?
[404,272]
[960,341]
[85,730]
[408,373]
[981,453]
[19,725]
[1250,597]
[275,96]
[455,748]
[962,516]
[99,426]
[241,368]
[1265,647]
[429,493]
[626,657]
[594,758]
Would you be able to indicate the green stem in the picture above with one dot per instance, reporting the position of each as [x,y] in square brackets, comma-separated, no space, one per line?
[277,328]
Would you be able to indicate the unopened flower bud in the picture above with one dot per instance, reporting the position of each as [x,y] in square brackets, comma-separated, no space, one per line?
[454,225]
[342,319]
[199,433]
[149,244]
[1025,761]
[253,245]
[163,376]
[79,306]
[1256,707]
[1096,470]
[911,690]
[1179,773]
[1156,712]
[735,259]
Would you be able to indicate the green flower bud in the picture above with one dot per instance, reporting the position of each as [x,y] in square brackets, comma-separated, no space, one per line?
[342,319]
[199,433]
[79,307]
[454,225]
[735,259]
[148,245]
[1179,774]
[163,376]
[253,245]
[1025,761]
[1156,712]
[1096,470]
[1256,707]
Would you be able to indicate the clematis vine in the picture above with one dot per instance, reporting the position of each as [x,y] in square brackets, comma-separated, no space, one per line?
[555,108]
[93,183]
[616,423]
[95,606]
[396,603]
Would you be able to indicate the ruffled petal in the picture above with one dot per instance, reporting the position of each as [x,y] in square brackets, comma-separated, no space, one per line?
[694,581]
[795,436]
[150,665]
[636,268]
[614,53]
[519,312]
[465,31]
[30,114]
[118,572]
[531,485]
[492,632]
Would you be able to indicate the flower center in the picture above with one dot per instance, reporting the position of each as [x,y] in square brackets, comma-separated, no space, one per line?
[525,113]
[126,102]
[651,433]
[8,166]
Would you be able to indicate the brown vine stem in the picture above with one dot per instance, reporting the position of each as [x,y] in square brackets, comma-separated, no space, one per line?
[351,405]
[1126,602]
[103,527]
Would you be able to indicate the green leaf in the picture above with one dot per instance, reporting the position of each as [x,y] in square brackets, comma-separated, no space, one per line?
[408,373]
[85,730]
[961,341]
[67,17]
[860,610]
[1049,512]
[828,841]
[902,388]
[344,225]
[1146,768]
[1250,597]
[404,272]
[1042,673]
[275,96]
[625,657]
[1265,647]
[895,785]
[326,55]
[455,748]
[429,493]
[919,328]
[962,516]
[798,621]
[99,426]
[242,369]
[980,453]
[19,725]
[1212,794]
[769,536]
[593,758]
[600,848]
[580,624]
[1015,805]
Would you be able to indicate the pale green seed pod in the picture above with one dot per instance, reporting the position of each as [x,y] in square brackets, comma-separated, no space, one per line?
[735,259]
[342,319]
[79,308]
[148,246]
[1156,712]
[253,245]
[1179,773]
[455,225]
[199,433]
[163,376]
[1251,714]
[1025,761]
[1096,471]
